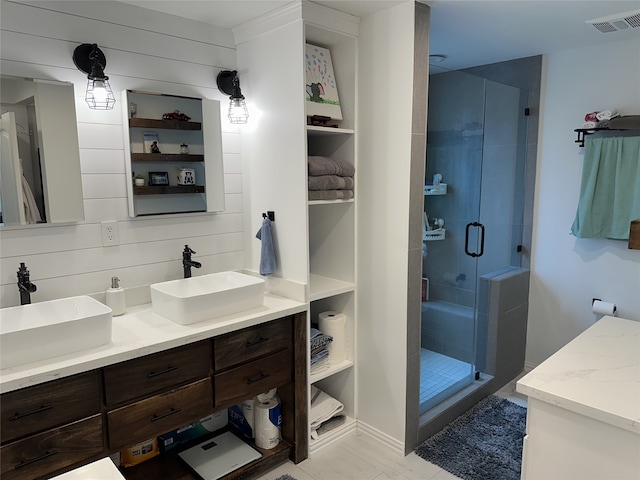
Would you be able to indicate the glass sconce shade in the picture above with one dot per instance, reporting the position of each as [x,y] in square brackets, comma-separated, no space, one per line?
[89,59]
[99,95]
[238,112]
[229,84]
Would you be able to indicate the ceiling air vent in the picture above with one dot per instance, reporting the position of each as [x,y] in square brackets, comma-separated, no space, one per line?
[618,22]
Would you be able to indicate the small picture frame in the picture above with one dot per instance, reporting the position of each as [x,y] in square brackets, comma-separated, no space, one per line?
[151,144]
[158,178]
[321,87]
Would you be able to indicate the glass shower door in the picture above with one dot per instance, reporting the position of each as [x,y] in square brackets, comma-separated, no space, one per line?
[476,141]
[454,152]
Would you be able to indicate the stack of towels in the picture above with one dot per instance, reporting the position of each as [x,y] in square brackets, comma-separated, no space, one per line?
[599,119]
[319,352]
[330,178]
[325,413]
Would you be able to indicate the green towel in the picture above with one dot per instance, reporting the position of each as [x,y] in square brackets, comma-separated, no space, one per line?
[610,190]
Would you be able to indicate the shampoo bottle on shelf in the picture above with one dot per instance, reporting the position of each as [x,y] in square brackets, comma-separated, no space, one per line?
[116,299]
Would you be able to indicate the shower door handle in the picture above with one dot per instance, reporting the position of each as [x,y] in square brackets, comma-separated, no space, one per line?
[466,240]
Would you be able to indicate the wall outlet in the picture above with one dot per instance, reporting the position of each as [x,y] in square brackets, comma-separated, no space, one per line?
[110,236]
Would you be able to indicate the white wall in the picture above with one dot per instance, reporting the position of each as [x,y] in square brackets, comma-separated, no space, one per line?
[385,107]
[148,51]
[274,145]
[567,272]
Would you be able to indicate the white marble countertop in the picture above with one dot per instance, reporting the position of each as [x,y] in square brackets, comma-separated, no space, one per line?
[141,332]
[597,374]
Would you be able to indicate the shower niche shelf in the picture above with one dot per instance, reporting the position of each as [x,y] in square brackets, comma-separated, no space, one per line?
[440,189]
[432,235]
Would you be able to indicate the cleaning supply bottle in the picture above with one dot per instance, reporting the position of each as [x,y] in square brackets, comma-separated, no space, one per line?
[116,299]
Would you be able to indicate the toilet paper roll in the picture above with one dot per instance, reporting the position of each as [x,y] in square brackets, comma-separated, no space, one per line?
[268,420]
[604,308]
[334,324]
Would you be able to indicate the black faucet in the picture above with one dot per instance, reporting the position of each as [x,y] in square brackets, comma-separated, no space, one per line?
[25,287]
[187,263]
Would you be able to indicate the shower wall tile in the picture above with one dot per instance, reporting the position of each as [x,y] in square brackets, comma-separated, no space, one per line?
[420,68]
[512,290]
[499,245]
[498,183]
[416,189]
[516,239]
[511,343]
[501,114]
[414,294]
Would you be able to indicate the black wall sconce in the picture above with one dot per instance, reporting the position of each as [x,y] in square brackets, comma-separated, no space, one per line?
[90,60]
[229,84]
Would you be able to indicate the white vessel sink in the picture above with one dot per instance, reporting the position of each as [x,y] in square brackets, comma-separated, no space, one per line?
[191,300]
[34,332]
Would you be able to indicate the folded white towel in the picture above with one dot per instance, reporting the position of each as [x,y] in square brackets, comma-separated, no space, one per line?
[323,407]
[589,125]
[606,115]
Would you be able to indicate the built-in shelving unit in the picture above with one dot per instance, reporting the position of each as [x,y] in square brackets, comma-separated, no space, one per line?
[167,189]
[165,157]
[164,124]
[143,116]
[332,228]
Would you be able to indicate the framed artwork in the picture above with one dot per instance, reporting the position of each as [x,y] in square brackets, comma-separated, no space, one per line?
[151,143]
[158,178]
[320,83]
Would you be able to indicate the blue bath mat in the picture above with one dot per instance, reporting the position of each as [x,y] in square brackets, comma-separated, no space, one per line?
[485,443]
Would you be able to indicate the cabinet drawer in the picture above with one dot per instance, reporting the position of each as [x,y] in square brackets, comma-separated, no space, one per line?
[158,414]
[48,405]
[256,377]
[153,373]
[253,342]
[52,450]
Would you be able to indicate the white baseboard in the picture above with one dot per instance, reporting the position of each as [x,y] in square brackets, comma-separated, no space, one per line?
[392,443]
[348,429]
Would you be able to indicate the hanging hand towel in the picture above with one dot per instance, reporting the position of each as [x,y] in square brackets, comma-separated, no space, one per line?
[267,253]
[610,189]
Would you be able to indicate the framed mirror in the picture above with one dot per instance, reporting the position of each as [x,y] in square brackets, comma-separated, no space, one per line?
[174,154]
[40,178]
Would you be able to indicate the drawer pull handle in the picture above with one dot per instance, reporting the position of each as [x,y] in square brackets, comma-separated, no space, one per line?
[24,463]
[41,408]
[260,340]
[166,370]
[257,379]
[173,411]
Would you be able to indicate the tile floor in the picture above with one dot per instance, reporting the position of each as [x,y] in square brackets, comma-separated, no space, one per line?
[438,375]
[360,457]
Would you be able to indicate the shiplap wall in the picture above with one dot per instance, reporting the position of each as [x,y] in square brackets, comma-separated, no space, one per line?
[145,50]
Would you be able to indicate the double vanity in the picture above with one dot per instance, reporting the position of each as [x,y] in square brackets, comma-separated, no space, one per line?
[153,375]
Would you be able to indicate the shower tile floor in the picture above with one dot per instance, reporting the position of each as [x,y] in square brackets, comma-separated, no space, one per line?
[440,377]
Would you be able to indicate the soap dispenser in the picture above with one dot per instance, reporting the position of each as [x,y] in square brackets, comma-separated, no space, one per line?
[116,299]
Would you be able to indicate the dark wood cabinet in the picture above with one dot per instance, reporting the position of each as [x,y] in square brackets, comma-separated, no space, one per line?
[55,449]
[154,373]
[54,427]
[244,345]
[253,378]
[161,413]
[38,408]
